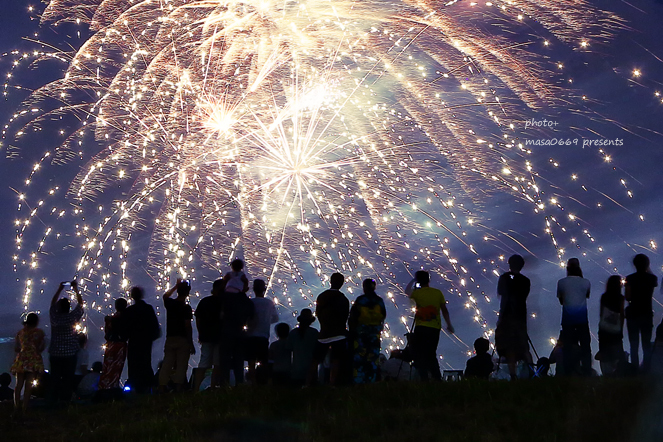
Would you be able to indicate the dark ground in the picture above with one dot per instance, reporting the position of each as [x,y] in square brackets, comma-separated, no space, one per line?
[539,410]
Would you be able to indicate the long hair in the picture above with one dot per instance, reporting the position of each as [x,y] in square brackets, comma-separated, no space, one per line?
[614,285]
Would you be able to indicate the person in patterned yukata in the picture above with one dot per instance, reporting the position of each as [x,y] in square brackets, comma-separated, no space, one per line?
[367,317]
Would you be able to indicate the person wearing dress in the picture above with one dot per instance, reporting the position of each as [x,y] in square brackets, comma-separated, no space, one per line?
[28,364]
[366,320]
[611,327]
[115,352]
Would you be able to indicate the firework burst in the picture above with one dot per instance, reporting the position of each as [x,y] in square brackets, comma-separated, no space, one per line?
[306,136]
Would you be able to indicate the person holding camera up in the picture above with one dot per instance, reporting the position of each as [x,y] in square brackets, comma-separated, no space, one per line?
[179,336]
[64,341]
[427,324]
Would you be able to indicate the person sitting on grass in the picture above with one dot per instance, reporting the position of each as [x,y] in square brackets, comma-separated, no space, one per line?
[89,385]
[6,393]
[481,365]
[280,356]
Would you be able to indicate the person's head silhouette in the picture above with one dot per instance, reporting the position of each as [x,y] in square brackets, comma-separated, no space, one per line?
[573,267]
[481,346]
[336,281]
[614,284]
[218,287]
[237,265]
[369,285]
[282,330]
[641,262]
[31,320]
[63,305]
[137,293]
[259,288]
[183,289]
[516,263]
[422,277]
[120,304]
[5,380]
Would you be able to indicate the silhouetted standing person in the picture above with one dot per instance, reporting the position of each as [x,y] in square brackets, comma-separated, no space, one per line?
[302,341]
[115,332]
[142,329]
[573,292]
[209,325]
[366,320]
[257,344]
[64,342]
[429,303]
[28,364]
[611,327]
[332,310]
[639,314]
[511,338]
[236,312]
[179,336]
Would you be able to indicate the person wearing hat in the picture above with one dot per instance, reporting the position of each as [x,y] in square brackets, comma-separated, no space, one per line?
[573,292]
[302,342]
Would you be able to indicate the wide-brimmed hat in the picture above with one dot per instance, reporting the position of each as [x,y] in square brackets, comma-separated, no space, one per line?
[306,315]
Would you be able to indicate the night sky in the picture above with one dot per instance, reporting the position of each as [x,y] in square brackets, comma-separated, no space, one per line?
[621,105]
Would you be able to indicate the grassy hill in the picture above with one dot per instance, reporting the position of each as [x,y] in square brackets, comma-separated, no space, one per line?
[540,410]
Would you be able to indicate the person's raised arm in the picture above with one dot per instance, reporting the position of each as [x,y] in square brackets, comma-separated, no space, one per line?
[79,298]
[445,315]
[410,287]
[57,294]
[171,290]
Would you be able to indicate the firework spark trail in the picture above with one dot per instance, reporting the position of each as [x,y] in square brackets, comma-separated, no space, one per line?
[306,136]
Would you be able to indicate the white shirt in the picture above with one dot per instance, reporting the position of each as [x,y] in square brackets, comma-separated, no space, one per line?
[573,292]
[264,316]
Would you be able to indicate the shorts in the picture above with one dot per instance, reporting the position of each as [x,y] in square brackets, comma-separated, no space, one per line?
[256,349]
[209,355]
[337,349]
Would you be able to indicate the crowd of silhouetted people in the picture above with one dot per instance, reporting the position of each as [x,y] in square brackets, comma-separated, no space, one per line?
[345,347]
